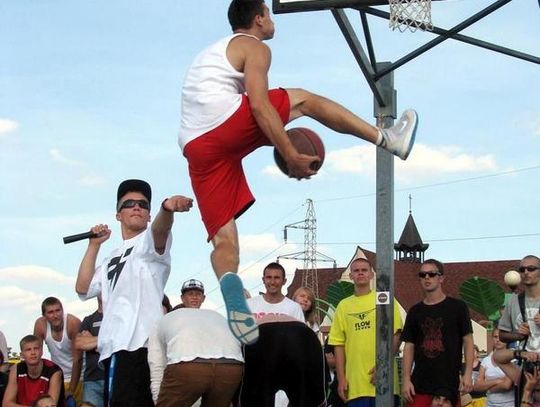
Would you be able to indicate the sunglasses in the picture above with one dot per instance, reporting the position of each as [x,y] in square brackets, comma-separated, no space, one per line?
[131,203]
[430,274]
[523,269]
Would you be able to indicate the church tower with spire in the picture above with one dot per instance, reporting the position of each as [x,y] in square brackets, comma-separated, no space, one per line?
[410,246]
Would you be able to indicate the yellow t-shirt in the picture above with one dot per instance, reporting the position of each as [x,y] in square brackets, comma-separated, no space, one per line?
[354,327]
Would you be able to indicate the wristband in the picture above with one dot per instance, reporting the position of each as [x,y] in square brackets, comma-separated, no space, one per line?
[163,206]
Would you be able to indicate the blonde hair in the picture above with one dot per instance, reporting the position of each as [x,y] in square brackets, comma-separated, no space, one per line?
[310,315]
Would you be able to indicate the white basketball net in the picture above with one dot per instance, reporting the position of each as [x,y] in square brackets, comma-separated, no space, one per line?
[410,14]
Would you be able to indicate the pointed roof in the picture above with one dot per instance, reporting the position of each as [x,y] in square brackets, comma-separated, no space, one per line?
[410,238]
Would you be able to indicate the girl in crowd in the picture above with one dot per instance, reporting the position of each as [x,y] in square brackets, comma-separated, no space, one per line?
[492,379]
[305,297]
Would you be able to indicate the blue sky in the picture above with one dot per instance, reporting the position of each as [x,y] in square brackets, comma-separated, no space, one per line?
[90,95]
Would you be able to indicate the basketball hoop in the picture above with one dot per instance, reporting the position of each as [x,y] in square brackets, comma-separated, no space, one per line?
[411,15]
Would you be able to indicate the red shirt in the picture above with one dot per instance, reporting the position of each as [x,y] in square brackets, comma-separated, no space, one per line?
[29,389]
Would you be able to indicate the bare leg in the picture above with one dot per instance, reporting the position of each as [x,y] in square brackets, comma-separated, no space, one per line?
[225,256]
[331,114]
[225,260]
[397,139]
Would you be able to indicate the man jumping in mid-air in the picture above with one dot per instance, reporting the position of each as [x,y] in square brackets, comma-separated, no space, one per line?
[228,112]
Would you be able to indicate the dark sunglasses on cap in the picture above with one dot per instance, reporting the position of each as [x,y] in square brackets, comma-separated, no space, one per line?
[430,274]
[523,269]
[130,203]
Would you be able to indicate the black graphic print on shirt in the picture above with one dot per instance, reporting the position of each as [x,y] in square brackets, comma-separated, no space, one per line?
[115,267]
[433,338]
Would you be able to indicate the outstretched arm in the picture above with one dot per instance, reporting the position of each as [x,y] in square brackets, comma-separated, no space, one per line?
[161,227]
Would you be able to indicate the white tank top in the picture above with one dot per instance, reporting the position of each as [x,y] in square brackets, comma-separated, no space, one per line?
[60,351]
[212,91]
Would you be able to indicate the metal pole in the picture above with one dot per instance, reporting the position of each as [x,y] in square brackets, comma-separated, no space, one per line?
[385,116]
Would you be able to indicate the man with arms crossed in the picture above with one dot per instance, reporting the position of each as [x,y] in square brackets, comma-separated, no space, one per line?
[228,112]
[437,332]
[353,334]
[131,282]
[58,330]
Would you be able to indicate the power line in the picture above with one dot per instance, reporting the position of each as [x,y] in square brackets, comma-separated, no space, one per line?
[436,184]
[456,239]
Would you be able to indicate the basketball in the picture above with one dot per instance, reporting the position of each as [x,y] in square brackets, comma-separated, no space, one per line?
[305,141]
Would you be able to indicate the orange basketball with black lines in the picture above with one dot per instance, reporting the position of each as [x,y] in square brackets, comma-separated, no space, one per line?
[306,141]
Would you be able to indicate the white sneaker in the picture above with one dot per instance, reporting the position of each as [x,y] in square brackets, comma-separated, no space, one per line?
[399,138]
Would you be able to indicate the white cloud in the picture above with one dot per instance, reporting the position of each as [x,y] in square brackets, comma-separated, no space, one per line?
[16,297]
[427,162]
[7,126]
[356,160]
[34,273]
[57,156]
[423,163]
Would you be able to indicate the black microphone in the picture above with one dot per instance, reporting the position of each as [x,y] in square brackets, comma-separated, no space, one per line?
[80,236]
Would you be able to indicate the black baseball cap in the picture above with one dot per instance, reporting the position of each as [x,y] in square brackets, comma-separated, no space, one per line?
[134,185]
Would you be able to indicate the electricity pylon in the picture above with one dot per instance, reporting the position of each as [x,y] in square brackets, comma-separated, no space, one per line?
[310,255]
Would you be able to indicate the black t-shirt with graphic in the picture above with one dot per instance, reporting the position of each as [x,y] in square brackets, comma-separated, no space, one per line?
[437,333]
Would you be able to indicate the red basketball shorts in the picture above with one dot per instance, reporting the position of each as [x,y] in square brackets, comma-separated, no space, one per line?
[215,163]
